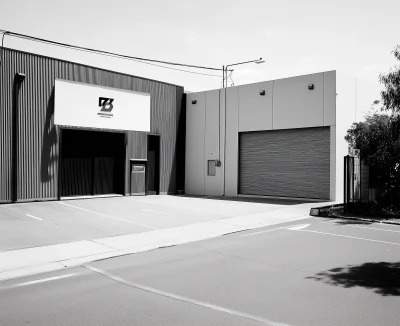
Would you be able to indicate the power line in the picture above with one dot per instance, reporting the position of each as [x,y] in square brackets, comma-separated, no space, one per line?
[32,38]
[105,53]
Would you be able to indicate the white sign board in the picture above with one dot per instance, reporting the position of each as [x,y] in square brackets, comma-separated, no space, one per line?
[91,106]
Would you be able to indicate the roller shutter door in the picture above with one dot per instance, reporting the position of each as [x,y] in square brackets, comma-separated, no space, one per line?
[285,163]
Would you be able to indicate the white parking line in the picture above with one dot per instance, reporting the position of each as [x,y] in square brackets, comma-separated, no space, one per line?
[108,216]
[37,218]
[265,231]
[187,300]
[361,227]
[365,227]
[350,237]
[259,232]
[38,281]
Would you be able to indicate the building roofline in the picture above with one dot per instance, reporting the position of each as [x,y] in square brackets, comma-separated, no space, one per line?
[260,82]
[89,66]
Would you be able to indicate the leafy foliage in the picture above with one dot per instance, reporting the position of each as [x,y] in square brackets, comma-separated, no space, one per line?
[391,81]
[378,137]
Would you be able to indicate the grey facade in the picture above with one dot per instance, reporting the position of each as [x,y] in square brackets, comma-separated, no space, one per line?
[275,138]
[37,163]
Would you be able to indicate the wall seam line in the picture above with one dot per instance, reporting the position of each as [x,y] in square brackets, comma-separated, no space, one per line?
[323,99]
[204,141]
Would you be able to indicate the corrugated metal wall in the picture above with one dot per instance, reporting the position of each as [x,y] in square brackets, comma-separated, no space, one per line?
[38,154]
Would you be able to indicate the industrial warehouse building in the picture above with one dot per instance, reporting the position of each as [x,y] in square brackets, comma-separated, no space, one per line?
[279,138]
[67,129]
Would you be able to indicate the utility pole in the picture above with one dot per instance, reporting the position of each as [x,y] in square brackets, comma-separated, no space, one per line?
[225,85]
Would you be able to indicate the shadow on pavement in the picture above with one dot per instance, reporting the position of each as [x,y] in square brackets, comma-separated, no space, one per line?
[273,201]
[340,221]
[381,277]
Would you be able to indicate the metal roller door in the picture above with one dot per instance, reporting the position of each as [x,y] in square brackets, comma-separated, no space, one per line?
[285,163]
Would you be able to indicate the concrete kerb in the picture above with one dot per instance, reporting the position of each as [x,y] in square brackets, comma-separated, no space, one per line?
[26,262]
[323,210]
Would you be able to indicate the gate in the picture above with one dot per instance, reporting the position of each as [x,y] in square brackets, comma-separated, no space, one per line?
[352,189]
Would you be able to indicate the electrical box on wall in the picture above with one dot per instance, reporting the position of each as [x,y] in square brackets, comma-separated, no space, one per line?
[211,171]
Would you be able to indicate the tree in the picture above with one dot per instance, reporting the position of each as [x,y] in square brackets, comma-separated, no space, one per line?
[391,81]
[378,137]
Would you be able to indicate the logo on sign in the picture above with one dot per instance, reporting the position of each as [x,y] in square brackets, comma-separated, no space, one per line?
[106,107]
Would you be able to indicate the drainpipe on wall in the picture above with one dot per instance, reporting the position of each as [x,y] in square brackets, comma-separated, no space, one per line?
[19,78]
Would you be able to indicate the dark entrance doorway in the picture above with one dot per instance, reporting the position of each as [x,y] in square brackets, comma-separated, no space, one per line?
[92,163]
[153,165]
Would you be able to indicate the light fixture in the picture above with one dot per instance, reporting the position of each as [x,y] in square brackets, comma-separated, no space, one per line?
[262,93]
[310,86]
[194,101]
[20,76]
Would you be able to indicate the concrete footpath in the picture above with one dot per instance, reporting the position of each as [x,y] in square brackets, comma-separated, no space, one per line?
[25,262]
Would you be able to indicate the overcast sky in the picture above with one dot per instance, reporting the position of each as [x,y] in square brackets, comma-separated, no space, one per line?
[294,37]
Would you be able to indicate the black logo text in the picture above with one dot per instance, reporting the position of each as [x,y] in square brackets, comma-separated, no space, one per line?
[106,104]
[106,107]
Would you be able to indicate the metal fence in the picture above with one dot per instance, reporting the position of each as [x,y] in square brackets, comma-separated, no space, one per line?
[352,180]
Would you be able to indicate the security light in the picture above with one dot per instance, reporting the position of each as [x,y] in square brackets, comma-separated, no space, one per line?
[194,101]
[310,86]
[20,76]
[262,93]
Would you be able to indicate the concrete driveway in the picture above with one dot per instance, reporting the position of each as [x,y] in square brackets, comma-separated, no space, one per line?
[48,236]
[36,224]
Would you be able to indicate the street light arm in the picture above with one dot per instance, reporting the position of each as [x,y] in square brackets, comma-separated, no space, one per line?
[241,63]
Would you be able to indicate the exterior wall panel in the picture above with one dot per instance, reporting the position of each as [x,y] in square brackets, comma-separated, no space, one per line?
[295,106]
[330,98]
[232,141]
[38,153]
[255,111]
[213,184]
[195,139]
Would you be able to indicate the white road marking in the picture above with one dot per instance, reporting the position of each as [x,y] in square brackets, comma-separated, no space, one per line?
[111,217]
[365,227]
[37,218]
[39,281]
[259,232]
[361,227]
[153,211]
[298,227]
[350,237]
[265,231]
[187,300]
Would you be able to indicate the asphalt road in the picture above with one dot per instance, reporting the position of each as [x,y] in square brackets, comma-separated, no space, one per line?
[27,225]
[311,272]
